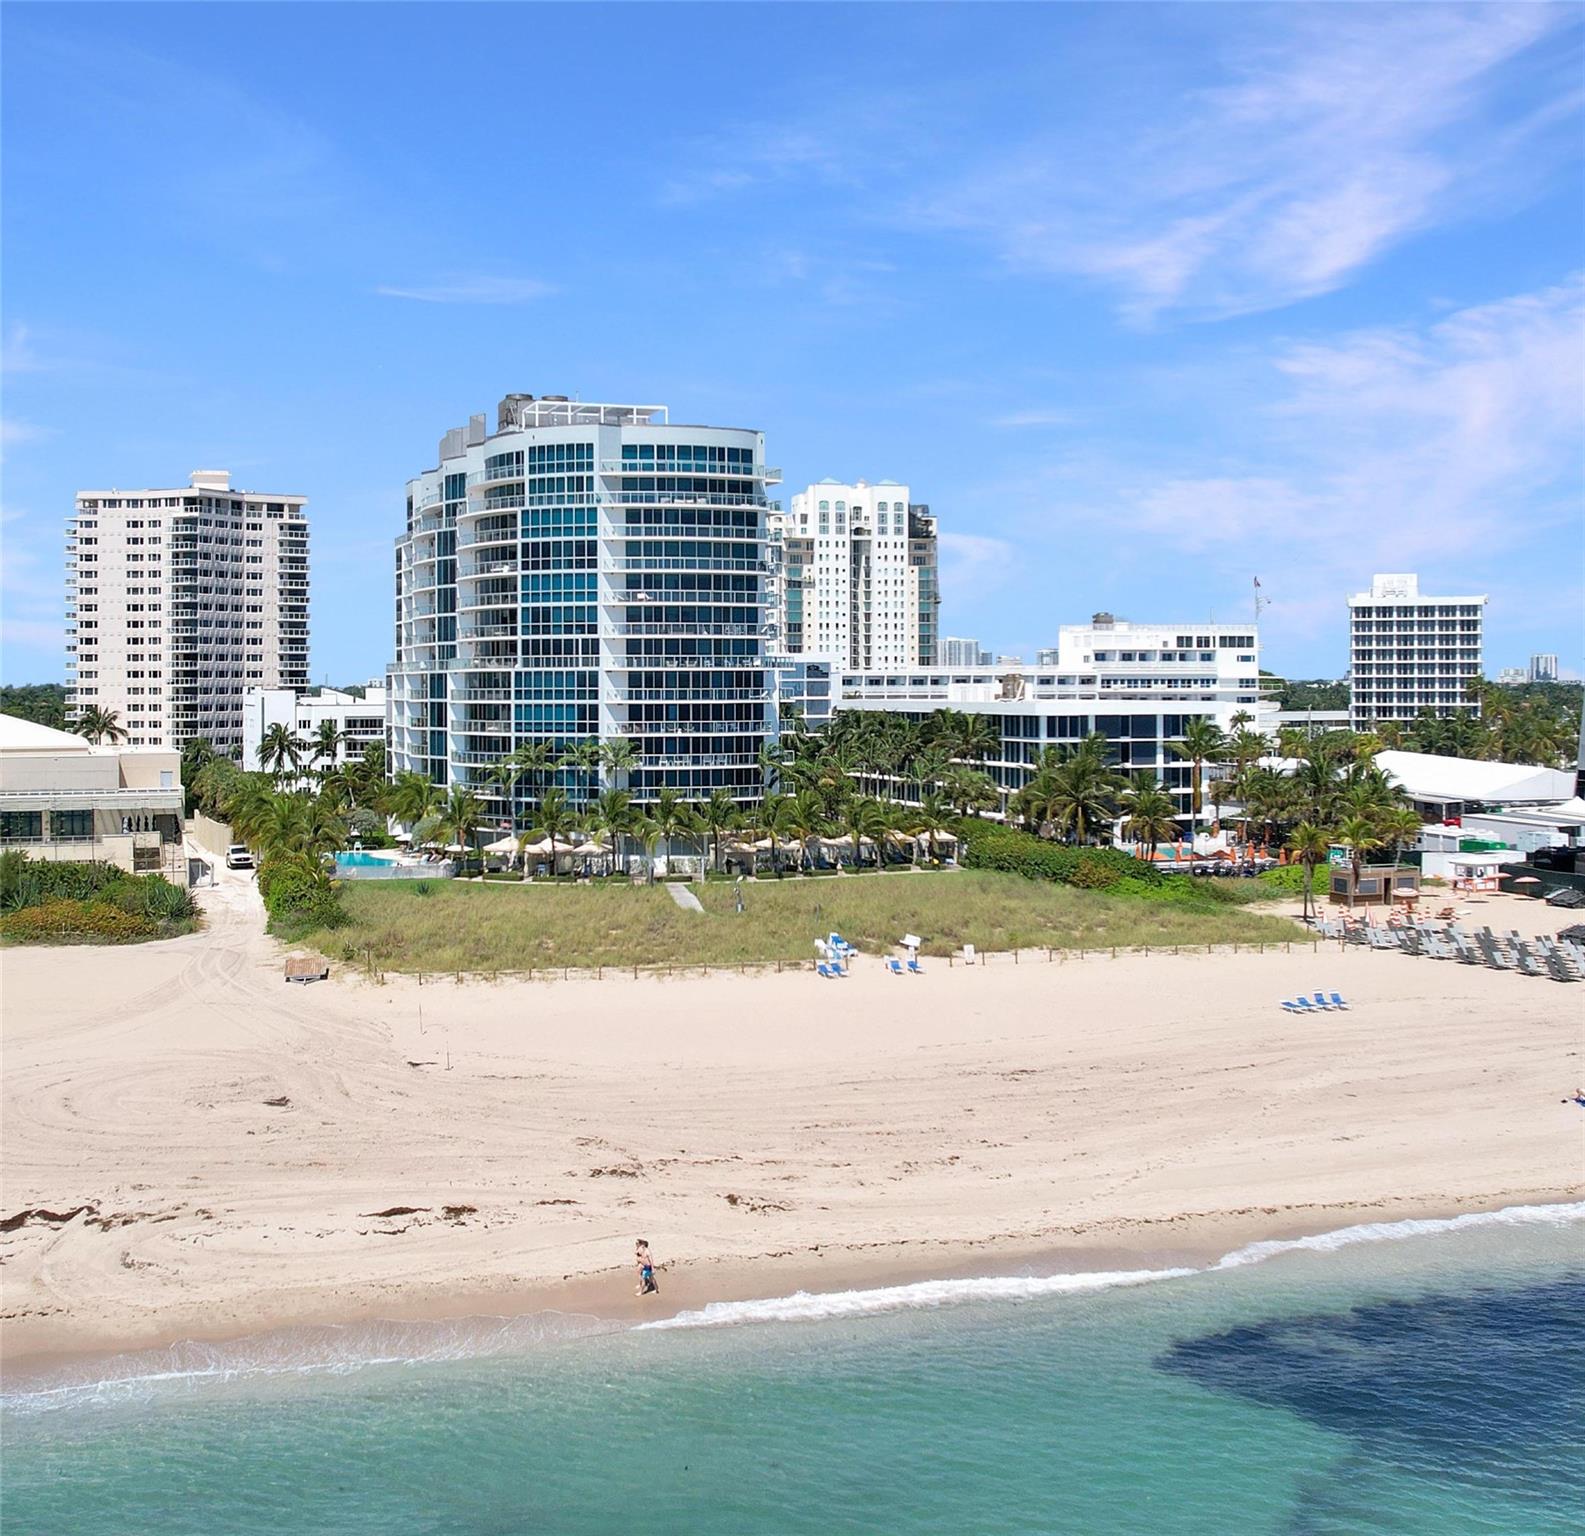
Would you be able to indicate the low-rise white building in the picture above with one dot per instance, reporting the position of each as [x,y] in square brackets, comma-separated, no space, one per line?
[1138,685]
[358,718]
[62,797]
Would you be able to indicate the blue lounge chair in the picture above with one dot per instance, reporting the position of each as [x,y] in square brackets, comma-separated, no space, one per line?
[894,965]
[1337,1000]
[1304,1005]
[1321,1002]
[916,967]
[1290,1007]
[822,969]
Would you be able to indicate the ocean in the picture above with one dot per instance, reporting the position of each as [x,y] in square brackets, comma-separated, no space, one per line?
[1415,1377]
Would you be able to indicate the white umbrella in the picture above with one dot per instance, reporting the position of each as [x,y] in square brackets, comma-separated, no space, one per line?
[542,846]
[583,850]
[502,845]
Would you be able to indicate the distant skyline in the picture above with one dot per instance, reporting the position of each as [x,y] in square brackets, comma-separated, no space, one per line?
[1145,302]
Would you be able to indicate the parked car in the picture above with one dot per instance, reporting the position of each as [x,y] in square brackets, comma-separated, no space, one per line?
[238,857]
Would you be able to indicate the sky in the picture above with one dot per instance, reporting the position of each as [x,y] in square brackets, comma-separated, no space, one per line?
[1145,302]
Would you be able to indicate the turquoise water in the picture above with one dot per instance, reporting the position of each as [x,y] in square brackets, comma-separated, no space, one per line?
[1428,1380]
[361,860]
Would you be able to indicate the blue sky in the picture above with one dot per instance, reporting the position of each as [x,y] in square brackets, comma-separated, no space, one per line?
[1146,302]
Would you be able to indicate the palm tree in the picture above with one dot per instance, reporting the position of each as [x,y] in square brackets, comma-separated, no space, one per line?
[326,740]
[582,757]
[1309,843]
[611,814]
[460,815]
[1398,825]
[555,823]
[771,757]
[100,725]
[769,817]
[281,750]
[1149,811]
[531,760]
[865,822]
[1359,835]
[672,816]
[1202,742]
[618,757]
[804,820]
[970,790]
[929,819]
[412,798]
[647,830]
[1081,795]
[718,814]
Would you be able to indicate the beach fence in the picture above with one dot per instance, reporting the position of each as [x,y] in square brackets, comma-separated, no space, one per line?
[372,967]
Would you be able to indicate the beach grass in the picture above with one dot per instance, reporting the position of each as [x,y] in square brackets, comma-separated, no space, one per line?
[482,927]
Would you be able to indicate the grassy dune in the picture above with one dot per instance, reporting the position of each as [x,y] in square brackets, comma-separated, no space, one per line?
[490,927]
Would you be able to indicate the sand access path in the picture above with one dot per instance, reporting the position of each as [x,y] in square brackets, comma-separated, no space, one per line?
[241,1154]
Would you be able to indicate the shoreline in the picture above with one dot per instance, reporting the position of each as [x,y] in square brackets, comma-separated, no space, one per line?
[1190,1242]
[243,1155]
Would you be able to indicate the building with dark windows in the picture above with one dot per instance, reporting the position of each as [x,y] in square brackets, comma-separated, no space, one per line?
[585,572]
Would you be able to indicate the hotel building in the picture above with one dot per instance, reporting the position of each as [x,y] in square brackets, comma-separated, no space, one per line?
[855,575]
[585,571]
[178,600]
[1138,685]
[1409,651]
[959,651]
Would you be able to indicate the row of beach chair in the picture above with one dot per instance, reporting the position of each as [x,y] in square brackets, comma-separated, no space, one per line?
[1321,1004]
[1543,955]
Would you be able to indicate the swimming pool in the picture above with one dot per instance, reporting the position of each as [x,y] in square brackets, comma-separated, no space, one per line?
[358,859]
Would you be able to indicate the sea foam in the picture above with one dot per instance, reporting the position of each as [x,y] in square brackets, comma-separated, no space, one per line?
[805,1306]
[823,1306]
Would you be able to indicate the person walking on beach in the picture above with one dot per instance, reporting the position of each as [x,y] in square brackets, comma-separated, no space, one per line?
[646,1270]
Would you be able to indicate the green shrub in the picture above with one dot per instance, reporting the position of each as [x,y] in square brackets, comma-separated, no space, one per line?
[1289,879]
[298,895]
[66,921]
[991,845]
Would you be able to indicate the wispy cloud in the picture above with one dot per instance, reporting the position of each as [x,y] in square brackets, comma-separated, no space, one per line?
[471,289]
[1343,132]
[973,564]
[1399,448]
[1033,418]
[756,155]
[13,431]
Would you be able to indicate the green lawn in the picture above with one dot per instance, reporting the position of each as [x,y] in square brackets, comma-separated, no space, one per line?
[489,927]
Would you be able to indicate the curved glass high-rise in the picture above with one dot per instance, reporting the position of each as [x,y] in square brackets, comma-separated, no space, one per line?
[585,572]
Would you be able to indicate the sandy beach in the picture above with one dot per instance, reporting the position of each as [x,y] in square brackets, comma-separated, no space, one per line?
[243,1155]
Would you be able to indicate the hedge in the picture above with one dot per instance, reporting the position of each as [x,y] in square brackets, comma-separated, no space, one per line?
[68,921]
[992,845]
[299,895]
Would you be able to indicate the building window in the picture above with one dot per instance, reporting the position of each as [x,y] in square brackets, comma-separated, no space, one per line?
[20,826]
[71,824]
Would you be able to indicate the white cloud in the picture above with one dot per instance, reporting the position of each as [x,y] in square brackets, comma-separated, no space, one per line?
[1400,449]
[972,564]
[1034,418]
[1330,146]
[461,289]
[13,431]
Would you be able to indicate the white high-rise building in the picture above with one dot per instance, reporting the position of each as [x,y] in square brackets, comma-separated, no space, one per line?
[1409,651]
[1543,669]
[179,600]
[960,651]
[857,575]
[585,573]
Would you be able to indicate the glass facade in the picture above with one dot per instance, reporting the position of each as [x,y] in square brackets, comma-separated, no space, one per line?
[604,577]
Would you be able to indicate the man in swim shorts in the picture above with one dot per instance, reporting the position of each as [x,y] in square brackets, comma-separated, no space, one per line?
[646,1270]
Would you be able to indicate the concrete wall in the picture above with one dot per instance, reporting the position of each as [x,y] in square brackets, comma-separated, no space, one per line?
[213,836]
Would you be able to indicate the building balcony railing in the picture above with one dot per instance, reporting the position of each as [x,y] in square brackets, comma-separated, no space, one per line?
[683,627]
[713,471]
[682,531]
[641,563]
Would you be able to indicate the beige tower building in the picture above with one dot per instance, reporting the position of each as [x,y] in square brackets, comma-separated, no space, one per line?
[180,600]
